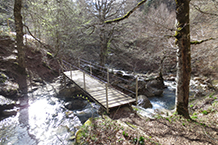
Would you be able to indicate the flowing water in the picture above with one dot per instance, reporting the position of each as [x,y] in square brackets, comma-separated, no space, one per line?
[166,101]
[46,121]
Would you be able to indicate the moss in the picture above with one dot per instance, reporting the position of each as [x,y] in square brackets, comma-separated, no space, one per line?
[3,78]
[49,55]
[80,132]
[131,125]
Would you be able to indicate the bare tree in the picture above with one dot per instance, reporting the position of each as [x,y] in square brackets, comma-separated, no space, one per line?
[100,11]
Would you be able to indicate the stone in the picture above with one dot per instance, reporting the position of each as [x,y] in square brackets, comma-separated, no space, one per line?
[144,102]
[157,83]
[156,87]
[76,104]
[155,92]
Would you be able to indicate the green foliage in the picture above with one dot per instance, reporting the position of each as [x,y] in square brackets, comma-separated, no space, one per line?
[191,105]
[195,113]
[205,112]
[125,134]
[211,95]
[194,117]
[168,119]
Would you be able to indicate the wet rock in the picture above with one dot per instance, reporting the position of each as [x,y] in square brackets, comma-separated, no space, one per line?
[156,92]
[156,87]
[7,88]
[7,107]
[66,92]
[151,89]
[69,114]
[9,112]
[157,84]
[144,102]
[76,104]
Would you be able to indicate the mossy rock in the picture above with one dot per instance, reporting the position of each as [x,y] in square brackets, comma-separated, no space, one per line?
[79,133]
[3,77]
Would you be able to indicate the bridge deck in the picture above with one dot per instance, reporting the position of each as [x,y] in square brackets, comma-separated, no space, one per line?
[97,90]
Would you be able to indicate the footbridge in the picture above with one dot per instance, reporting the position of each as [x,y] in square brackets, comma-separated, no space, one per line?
[99,83]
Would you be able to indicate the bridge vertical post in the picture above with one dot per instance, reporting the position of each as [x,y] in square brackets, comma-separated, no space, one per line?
[70,72]
[90,68]
[65,83]
[108,76]
[84,80]
[106,85]
[79,62]
[136,91]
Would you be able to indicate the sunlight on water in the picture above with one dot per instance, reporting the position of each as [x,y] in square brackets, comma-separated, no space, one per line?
[39,111]
[41,115]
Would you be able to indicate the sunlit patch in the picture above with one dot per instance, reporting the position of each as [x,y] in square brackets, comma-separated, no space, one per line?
[40,115]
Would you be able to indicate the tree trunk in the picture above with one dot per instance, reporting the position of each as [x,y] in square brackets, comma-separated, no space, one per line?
[20,46]
[183,57]
[103,47]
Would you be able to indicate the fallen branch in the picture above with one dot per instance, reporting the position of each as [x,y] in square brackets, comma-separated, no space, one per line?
[127,14]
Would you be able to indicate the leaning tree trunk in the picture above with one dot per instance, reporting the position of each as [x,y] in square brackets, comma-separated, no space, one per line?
[183,57]
[20,46]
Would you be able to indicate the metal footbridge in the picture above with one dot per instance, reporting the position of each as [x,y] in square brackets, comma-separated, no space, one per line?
[97,85]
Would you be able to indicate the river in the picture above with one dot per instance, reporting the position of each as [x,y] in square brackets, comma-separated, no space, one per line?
[46,121]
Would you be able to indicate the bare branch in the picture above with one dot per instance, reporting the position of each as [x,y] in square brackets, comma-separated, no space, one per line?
[36,38]
[198,9]
[201,41]
[127,14]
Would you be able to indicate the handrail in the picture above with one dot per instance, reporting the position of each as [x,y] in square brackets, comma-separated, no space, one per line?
[93,64]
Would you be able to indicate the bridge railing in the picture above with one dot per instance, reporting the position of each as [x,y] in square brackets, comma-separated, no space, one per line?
[103,74]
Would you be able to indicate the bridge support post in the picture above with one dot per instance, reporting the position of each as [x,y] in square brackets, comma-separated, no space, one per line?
[106,85]
[107,76]
[90,68]
[84,80]
[70,72]
[65,83]
[79,63]
[136,91]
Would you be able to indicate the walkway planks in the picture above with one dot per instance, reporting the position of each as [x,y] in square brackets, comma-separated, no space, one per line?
[97,90]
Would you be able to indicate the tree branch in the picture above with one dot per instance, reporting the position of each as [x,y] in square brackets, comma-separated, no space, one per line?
[201,41]
[127,14]
[198,9]
[37,38]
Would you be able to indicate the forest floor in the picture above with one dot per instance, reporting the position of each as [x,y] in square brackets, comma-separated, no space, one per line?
[124,126]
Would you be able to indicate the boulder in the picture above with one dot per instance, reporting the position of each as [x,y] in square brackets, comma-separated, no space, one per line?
[69,92]
[144,102]
[157,84]
[155,92]
[76,104]
[7,87]
[151,88]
